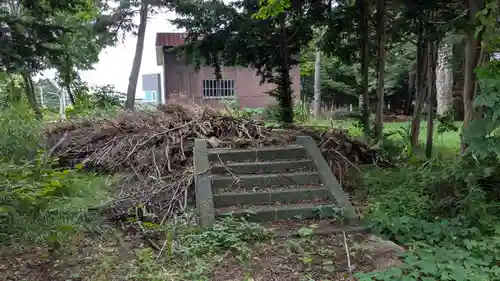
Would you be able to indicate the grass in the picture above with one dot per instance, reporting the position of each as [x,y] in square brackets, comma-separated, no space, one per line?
[446,143]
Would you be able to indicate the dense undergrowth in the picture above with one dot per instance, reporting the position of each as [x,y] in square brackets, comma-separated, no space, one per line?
[445,212]
[39,203]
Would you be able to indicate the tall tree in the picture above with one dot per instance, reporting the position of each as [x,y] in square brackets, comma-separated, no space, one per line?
[139,48]
[431,92]
[234,36]
[32,34]
[363,9]
[472,53]
[379,112]
[420,93]
[429,33]
[82,49]
[444,78]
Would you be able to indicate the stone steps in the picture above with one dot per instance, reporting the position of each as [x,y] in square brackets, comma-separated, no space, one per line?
[263,181]
[263,213]
[244,168]
[266,184]
[290,152]
[268,197]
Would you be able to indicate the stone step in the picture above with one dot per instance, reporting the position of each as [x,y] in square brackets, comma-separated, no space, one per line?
[280,212]
[271,196]
[257,181]
[290,152]
[239,168]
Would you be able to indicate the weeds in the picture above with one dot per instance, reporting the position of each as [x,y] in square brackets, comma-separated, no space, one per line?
[20,133]
[445,213]
[39,203]
[301,113]
[194,252]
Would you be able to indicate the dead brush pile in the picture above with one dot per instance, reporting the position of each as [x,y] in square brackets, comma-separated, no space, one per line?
[153,151]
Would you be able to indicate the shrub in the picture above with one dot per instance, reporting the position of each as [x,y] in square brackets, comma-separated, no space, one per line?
[446,212]
[301,113]
[99,101]
[41,203]
[20,132]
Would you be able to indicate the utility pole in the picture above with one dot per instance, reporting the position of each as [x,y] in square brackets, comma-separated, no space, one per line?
[317,84]
[62,105]
[41,96]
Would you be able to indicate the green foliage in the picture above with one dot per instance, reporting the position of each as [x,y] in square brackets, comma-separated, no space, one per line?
[340,76]
[50,93]
[229,234]
[99,101]
[272,8]
[33,31]
[234,109]
[11,90]
[301,113]
[445,124]
[39,203]
[483,134]
[20,132]
[401,148]
[447,215]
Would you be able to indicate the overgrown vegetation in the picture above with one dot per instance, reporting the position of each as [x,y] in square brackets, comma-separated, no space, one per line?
[448,218]
[40,203]
[442,207]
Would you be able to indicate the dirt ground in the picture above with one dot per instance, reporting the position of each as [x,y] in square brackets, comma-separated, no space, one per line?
[74,261]
[318,258]
[310,257]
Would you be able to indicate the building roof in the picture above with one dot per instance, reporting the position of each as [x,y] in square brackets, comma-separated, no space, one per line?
[170,39]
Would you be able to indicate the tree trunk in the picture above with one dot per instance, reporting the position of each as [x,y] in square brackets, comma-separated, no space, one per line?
[420,94]
[444,79]
[67,80]
[363,8]
[139,48]
[379,112]
[431,95]
[283,93]
[317,84]
[70,95]
[472,52]
[30,94]
[411,88]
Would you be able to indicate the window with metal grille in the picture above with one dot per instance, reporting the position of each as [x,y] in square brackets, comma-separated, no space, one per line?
[216,89]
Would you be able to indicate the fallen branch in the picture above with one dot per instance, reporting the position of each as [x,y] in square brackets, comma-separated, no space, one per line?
[349,266]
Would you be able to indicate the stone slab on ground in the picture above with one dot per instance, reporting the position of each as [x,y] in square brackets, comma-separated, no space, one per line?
[288,228]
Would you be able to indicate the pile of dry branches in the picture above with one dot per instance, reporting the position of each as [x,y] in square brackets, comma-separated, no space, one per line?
[154,150]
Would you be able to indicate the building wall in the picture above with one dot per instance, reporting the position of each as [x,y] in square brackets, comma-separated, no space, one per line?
[151,89]
[183,80]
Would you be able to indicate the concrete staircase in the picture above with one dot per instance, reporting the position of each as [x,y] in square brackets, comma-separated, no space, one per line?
[267,184]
